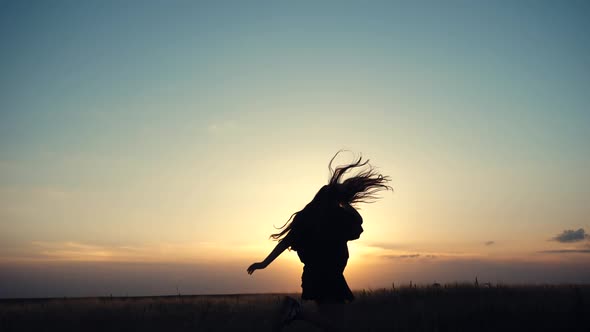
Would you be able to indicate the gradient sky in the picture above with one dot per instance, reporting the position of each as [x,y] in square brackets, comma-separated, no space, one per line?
[149,145]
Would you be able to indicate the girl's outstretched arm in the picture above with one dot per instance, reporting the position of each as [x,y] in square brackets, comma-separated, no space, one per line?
[279,248]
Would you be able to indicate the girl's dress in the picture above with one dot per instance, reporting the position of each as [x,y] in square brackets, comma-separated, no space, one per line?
[319,235]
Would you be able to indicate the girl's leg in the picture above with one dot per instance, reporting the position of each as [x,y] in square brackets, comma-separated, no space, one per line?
[288,310]
[326,317]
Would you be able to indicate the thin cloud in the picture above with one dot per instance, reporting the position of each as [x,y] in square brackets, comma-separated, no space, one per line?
[565,251]
[387,246]
[569,235]
[75,251]
[489,243]
[402,256]
[409,256]
[155,252]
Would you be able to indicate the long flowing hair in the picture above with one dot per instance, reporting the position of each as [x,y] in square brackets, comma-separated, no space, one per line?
[359,188]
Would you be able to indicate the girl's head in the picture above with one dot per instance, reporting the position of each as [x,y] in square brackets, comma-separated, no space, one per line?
[361,187]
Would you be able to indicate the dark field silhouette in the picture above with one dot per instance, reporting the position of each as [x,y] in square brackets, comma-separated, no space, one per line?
[457,307]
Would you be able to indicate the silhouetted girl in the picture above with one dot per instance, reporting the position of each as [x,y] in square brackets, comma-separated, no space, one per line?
[319,233]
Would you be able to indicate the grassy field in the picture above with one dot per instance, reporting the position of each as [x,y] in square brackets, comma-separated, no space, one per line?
[455,307]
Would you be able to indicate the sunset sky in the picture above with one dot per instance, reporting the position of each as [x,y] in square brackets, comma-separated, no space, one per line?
[147,146]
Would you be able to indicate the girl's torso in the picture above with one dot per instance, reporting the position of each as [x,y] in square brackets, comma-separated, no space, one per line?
[320,235]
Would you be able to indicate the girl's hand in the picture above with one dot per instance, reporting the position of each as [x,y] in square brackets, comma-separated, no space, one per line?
[254,267]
